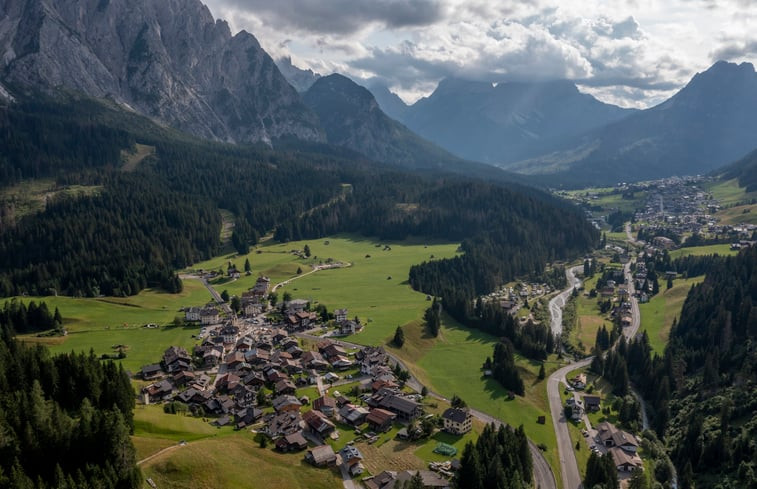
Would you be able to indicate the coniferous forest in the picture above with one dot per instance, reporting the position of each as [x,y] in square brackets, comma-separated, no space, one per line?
[703,401]
[500,459]
[65,420]
[143,225]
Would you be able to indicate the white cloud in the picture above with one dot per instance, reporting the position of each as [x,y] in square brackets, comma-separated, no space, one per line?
[630,52]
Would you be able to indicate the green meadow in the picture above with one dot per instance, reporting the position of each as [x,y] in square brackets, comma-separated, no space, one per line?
[657,315]
[373,286]
[739,209]
[720,249]
[100,324]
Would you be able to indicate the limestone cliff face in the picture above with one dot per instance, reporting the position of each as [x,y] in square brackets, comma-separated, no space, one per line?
[167,59]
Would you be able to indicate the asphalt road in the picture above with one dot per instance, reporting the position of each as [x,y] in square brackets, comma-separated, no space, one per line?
[568,465]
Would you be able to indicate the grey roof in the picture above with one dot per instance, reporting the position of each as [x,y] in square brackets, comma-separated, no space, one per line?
[455,415]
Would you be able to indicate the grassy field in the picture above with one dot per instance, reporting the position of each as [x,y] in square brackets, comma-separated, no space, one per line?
[728,192]
[736,199]
[364,288]
[30,196]
[235,461]
[657,314]
[589,321]
[215,457]
[374,288]
[608,200]
[720,249]
[740,214]
[102,323]
[132,159]
[451,364]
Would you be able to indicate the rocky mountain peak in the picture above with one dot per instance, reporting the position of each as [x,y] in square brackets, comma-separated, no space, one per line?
[169,60]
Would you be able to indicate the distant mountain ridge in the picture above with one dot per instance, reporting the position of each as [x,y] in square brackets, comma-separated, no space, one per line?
[353,119]
[710,122]
[299,78]
[166,59]
[501,123]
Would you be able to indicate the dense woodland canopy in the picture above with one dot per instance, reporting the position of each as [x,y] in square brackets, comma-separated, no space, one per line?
[64,420]
[500,459]
[703,400]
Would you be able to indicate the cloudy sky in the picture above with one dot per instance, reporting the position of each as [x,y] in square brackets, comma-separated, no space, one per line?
[629,52]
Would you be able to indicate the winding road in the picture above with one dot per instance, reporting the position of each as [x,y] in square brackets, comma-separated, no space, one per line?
[571,475]
[558,302]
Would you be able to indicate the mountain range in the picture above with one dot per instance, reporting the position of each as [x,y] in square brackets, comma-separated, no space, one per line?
[552,130]
[174,63]
[709,123]
[502,123]
[169,60]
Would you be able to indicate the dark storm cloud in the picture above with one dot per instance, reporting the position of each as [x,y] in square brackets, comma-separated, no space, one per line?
[735,51]
[339,16]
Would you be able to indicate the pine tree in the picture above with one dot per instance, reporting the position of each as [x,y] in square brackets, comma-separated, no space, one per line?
[542,372]
[399,337]
[247,266]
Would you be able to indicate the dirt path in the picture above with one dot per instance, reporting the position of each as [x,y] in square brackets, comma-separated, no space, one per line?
[317,268]
[161,452]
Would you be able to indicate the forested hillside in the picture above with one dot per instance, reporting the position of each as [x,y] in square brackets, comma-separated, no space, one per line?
[712,360]
[64,420]
[745,170]
[703,401]
[164,215]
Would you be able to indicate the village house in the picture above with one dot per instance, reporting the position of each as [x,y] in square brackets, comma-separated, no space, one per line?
[352,458]
[380,481]
[340,362]
[252,306]
[431,480]
[405,409]
[150,372]
[286,403]
[285,386]
[184,377]
[457,421]
[326,405]
[282,424]
[592,403]
[380,420]
[353,415]
[209,315]
[212,357]
[158,392]
[579,381]
[340,315]
[318,423]
[229,333]
[576,407]
[260,289]
[292,442]
[321,456]
[625,461]
[176,358]
[192,314]
[610,436]
[349,327]
[246,417]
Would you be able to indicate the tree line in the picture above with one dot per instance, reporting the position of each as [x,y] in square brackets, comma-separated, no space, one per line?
[65,420]
[500,459]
